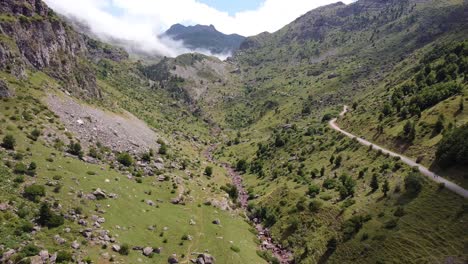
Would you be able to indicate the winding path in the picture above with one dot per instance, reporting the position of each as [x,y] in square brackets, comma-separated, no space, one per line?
[425,171]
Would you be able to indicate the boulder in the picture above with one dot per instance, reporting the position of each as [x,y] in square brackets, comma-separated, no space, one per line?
[99,194]
[149,202]
[36,260]
[75,245]
[4,206]
[5,92]
[205,258]
[7,255]
[216,222]
[147,251]
[44,254]
[173,259]
[116,248]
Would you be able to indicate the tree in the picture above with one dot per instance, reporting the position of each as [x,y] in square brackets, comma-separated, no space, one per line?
[9,142]
[385,187]
[453,148]
[209,171]
[49,218]
[374,184]
[461,105]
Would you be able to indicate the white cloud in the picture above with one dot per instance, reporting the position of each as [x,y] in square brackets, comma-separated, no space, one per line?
[140,21]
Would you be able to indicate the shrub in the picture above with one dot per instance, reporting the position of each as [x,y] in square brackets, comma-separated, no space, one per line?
[315,205]
[313,191]
[374,184]
[390,224]
[242,165]
[329,183]
[124,249]
[235,249]
[209,171]
[63,257]
[9,142]
[163,149]
[34,191]
[74,148]
[30,250]
[413,183]
[35,134]
[20,168]
[125,159]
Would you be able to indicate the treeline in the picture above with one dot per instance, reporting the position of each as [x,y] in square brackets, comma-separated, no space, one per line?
[440,75]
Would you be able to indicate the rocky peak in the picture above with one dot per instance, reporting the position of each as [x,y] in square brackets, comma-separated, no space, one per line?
[33,36]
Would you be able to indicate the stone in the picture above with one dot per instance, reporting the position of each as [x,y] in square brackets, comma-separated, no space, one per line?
[59,240]
[36,260]
[216,222]
[75,245]
[116,248]
[100,194]
[147,251]
[53,258]
[173,259]
[5,92]
[105,255]
[192,222]
[7,255]
[149,202]
[67,230]
[44,254]
[205,258]
[4,206]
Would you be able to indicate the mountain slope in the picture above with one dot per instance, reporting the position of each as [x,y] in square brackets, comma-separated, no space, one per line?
[200,37]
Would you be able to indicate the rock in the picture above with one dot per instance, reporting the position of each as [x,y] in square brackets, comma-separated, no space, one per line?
[147,251]
[205,258]
[192,222]
[161,178]
[100,194]
[36,260]
[151,228]
[216,222]
[105,255]
[44,254]
[113,195]
[53,258]
[5,92]
[173,259]
[7,255]
[149,202]
[90,196]
[67,230]
[138,248]
[59,240]
[175,200]
[75,245]
[116,248]
[4,206]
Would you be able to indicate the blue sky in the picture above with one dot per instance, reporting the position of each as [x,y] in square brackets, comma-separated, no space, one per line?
[233,6]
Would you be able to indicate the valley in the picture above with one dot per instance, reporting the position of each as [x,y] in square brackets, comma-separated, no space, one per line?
[340,138]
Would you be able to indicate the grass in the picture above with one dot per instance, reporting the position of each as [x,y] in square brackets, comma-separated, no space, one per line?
[127,217]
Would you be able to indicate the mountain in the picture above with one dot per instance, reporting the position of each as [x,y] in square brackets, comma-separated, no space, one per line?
[200,37]
[104,158]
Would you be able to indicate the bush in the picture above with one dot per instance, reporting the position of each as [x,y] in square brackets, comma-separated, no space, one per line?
[242,165]
[34,191]
[209,171]
[63,257]
[313,191]
[9,142]
[329,183]
[390,224]
[30,250]
[75,149]
[124,249]
[413,183]
[20,168]
[315,205]
[125,159]
[163,149]
[235,249]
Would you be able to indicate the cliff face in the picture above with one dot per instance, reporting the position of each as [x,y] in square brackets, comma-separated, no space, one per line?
[33,36]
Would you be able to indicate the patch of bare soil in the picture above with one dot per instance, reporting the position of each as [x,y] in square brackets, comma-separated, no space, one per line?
[120,132]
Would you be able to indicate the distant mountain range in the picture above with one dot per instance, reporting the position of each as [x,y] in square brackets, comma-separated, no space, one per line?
[205,37]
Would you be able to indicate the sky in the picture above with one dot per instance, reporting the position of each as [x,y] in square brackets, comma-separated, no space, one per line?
[142,21]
